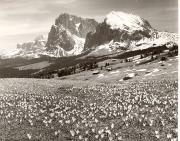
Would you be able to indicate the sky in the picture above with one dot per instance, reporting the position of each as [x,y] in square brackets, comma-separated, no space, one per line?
[23,20]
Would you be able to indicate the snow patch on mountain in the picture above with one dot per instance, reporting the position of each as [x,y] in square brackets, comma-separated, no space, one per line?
[101,50]
[124,21]
[163,38]
[59,52]
[78,47]
[115,47]
[168,36]
[77,26]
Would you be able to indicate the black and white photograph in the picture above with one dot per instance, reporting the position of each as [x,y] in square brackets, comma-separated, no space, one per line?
[89,70]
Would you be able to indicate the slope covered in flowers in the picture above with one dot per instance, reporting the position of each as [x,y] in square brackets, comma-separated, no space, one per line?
[39,110]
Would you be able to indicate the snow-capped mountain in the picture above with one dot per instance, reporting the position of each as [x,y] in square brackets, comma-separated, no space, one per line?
[123,31]
[67,36]
[72,35]
[119,27]
[127,22]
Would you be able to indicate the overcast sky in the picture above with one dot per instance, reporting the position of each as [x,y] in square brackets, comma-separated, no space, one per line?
[23,20]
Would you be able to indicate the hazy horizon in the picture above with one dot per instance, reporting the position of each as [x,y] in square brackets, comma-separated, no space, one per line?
[23,20]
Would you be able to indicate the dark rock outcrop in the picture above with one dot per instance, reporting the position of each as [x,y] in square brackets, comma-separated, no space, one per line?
[58,36]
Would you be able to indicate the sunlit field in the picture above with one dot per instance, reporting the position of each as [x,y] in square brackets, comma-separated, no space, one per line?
[41,110]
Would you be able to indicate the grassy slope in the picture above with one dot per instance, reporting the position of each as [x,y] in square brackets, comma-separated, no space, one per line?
[35,66]
[33,109]
[120,70]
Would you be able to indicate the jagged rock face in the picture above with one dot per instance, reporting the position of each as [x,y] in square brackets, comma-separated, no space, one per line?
[61,34]
[118,32]
[58,36]
[76,25]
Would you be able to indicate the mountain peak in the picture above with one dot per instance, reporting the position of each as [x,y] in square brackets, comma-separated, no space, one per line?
[68,34]
[125,21]
[119,27]
[75,24]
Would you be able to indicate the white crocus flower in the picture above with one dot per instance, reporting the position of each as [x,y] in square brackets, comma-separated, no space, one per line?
[29,136]
[169,135]
[112,125]
[72,133]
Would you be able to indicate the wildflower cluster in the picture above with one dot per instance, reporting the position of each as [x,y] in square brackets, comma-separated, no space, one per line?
[138,111]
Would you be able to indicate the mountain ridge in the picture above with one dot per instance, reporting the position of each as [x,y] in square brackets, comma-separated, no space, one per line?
[72,35]
[124,31]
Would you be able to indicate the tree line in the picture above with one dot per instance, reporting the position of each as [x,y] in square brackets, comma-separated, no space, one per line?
[84,66]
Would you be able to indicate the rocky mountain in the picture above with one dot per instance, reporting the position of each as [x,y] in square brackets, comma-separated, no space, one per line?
[33,49]
[119,26]
[122,31]
[73,35]
[67,36]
